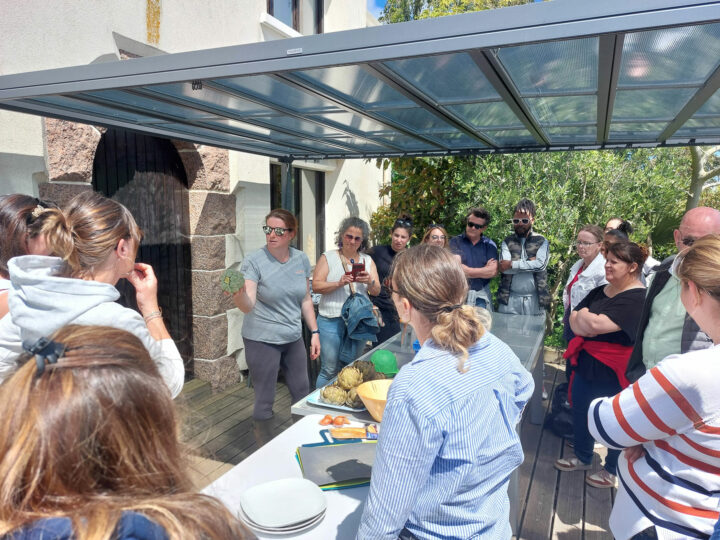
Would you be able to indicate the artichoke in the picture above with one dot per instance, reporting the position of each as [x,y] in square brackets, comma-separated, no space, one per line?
[232,281]
[367,369]
[333,394]
[353,400]
[379,376]
[349,377]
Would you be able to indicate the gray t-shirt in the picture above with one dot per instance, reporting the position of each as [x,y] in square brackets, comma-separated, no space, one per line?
[281,287]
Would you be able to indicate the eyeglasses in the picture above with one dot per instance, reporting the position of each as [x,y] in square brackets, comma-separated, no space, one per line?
[687,242]
[387,283]
[279,231]
[524,221]
[584,244]
[351,238]
[437,237]
[476,225]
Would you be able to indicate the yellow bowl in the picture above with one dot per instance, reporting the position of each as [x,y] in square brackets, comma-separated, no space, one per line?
[374,396]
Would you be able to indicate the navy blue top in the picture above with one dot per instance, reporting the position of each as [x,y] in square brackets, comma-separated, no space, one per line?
[474,256]
[132,526]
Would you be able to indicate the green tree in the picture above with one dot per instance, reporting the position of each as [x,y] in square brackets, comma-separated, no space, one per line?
[410,10]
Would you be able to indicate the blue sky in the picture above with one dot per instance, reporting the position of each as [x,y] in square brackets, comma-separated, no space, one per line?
[375,6]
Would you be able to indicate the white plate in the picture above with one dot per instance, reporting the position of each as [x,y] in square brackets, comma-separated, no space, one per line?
[283,503]
[299,527]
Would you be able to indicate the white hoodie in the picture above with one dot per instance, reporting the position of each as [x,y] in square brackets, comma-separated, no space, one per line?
[41,302]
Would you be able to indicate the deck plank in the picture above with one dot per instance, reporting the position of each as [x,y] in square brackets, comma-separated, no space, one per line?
[568,521]
[538,516]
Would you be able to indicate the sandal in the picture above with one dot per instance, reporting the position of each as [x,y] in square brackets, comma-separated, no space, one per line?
[602,479]
[571,464]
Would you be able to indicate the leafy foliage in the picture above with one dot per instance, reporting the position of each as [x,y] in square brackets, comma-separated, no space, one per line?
[570,189]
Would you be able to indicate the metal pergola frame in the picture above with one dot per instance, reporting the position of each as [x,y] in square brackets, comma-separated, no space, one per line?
[477,34]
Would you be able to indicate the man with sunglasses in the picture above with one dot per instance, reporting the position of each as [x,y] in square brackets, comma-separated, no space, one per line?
[665,327]
[477,255]
[524,256]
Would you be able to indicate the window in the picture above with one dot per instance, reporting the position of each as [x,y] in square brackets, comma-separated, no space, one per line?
[285,11]
[305,190]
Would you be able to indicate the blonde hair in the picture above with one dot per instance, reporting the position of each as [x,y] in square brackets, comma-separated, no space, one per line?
[87,231]
[700,264]
[432,280]
[95,435]
[426,236]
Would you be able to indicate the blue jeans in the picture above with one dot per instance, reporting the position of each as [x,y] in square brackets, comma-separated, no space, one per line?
[583,392]
[331,333]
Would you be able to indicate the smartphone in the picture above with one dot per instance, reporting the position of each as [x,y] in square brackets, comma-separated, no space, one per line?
[357,267]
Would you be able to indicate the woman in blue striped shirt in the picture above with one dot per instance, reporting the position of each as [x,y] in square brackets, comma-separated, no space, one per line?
[448,442]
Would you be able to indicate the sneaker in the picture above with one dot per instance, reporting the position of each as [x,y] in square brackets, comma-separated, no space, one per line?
[602,479]
[571,464]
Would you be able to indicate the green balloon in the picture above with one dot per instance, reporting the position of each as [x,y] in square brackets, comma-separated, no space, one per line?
[384,361]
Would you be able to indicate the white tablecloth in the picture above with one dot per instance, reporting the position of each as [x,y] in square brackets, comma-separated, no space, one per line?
[276,460]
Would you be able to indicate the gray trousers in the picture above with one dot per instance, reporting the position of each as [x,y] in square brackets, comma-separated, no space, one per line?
[264,360]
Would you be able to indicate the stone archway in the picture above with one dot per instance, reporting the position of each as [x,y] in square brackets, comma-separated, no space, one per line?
[70,151]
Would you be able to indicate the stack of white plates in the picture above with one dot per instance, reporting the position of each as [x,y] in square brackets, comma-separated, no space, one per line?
[285,506]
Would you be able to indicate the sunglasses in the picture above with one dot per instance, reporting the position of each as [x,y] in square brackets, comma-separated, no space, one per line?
[524,221]
[435,226]
[403,222]
[476,225]
[279,231]
[687,242]
[351,238]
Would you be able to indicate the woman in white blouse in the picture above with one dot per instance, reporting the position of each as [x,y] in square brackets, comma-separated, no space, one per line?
[586,274]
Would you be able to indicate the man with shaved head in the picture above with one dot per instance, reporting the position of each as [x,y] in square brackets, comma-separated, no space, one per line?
[665,327]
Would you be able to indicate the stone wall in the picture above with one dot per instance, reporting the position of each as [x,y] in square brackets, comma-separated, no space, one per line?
[212,216]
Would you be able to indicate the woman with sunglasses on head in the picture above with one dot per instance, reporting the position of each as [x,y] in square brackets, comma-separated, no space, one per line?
[625,227]
[605,325]
[89,447]
[383,257]
[586,274]
[436,235]
[96,241]
[448,442]
[668,422]
[275,296]
[21,233]
[334,279]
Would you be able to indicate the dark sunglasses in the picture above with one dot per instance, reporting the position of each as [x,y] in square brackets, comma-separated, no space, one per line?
[687,242]
[403,223]
[279,231]
[351,238]
[476,225]
[435,226]
[524,221]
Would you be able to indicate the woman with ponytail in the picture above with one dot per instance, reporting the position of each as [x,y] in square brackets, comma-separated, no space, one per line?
[95,240]
[448,442]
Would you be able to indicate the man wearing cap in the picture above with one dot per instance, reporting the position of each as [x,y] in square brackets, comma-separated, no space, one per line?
[665,327]
[477,255]
[524,256]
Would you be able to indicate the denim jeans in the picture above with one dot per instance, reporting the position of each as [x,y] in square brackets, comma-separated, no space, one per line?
[583,392]
[331,332]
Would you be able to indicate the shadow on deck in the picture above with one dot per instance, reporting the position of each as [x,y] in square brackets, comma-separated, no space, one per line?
[554,505]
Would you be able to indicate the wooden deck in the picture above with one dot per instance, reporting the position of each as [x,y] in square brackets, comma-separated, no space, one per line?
[553,504]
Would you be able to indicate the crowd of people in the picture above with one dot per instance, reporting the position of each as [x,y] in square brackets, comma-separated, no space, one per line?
[90,438]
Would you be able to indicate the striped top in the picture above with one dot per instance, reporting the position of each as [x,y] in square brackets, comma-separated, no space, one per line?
[448,445]
[331,303]
[674,412]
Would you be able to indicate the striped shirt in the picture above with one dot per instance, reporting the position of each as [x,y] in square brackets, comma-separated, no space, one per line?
[448,445]
[674,412]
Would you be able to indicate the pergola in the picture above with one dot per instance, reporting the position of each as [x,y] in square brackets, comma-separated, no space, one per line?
[559,75]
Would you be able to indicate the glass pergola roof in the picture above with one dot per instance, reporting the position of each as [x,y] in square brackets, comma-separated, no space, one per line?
[560,75]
